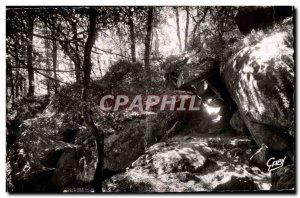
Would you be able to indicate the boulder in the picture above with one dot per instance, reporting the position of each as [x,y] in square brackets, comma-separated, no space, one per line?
[283,178]
[127,145]
[260,79]
[196,70]
[237,123]
[260,158]
[20,110]
[64,174]
[40,146]
[187,164]
[76,165]
[238,184]
[33,158]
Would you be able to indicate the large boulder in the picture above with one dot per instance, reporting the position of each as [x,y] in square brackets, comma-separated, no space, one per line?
[238,184]
[237,123]
[125,146]
[55,151]
[20,110]
[43,147]
[196,70]
[260,158]
[186,164]
[260,79]
[76,165]
[34,155]
[283,178]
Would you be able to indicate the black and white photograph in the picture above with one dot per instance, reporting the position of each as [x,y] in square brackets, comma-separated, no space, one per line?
[150,99]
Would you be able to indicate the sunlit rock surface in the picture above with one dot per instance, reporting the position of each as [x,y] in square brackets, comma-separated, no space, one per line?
[186,164]
[260,78]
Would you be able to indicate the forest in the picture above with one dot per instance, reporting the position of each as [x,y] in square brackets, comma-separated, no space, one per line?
[65,64]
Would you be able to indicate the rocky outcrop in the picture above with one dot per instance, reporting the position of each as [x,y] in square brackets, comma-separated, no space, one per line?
[34,155]
[57,149]
[237,123]
[260,79]
[76,166]
[20,110]
[124,147]
[196,70]
[238,184]
[283,178]
[192,165]
[260,158]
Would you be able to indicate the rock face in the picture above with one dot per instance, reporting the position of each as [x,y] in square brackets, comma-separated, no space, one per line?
[22,110]
[237,123]
[283,178]
[76,165]
[260,79]
[54,151]
[239,184]
[124,147]
[260,158]
[40,151]
[190,165]
[35,154]
[254,18]
[196,70]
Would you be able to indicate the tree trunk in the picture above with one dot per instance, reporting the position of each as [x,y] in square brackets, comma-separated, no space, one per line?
[76,54]
[196,26]
[178,28]
[99,64]
[155,32]
[54,62]
[156,44]
[47,45]
[132,35]
[187,27]
[17,83]
[77,69]
[12,89]
[29,56]
[86,112]
[147,43]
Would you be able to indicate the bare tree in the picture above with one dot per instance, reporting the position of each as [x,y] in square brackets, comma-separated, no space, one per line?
[187,27]
[132,33]
[54,57]
[178,28]
[148,41]
[86,112]
[30,18]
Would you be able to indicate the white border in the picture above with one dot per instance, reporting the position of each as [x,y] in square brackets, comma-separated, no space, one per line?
[5,3]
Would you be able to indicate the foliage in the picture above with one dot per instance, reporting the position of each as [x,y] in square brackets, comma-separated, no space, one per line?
[127,77]
[257,35]
[216,32]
